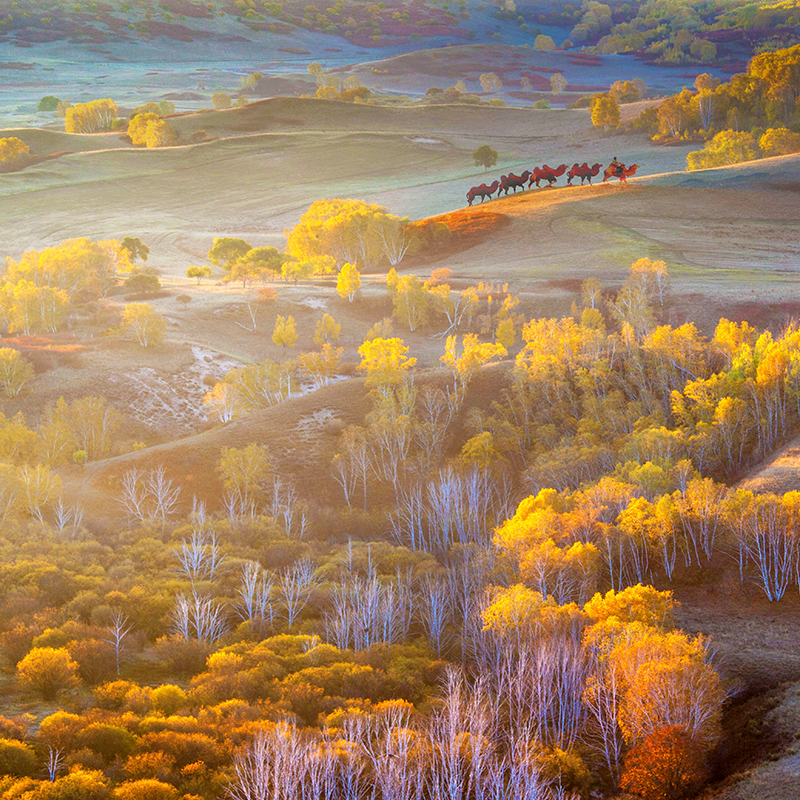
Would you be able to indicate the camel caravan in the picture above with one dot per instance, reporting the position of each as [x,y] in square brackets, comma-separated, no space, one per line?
[615,169]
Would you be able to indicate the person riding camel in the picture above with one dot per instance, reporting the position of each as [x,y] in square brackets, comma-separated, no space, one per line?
[618,167]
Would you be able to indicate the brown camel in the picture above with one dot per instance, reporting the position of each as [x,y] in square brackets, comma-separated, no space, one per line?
[584,172]
[512,181]
[546,173]
[482,191]
[623,175]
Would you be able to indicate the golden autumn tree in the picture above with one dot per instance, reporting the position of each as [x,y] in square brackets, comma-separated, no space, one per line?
[385,363]
[12,149]
[47,671]
[15,371]
[285,332]
[92,117]
[142,323]
[350,231]
[667,764]
[348,282]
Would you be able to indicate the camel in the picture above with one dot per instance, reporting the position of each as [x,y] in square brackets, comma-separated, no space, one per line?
[512,181]
[546,173]
[482,191]
[584,172]
[626,172]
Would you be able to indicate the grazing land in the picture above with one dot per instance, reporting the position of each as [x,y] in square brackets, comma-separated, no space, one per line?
[305,460]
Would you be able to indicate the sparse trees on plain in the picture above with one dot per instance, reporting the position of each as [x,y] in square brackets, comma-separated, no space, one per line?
[285,332]
[485,157]
[198,272]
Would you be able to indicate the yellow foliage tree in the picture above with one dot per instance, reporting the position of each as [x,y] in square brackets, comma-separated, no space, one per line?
[473,355]
[285,332]
[15,371]
[144,324]
[350,231]
[149,130]
[779,142]
[727,147]
[385,362]
[47,671]
[92,117]
[348,282]
[604,112]
[12,149]
[327,331]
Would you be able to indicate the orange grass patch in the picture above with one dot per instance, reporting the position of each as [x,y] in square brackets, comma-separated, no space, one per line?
[468,227]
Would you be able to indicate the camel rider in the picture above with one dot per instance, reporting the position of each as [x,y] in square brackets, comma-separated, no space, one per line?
[617,167]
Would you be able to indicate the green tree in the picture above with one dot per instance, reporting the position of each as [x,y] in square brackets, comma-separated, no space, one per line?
[485,157]
[48,103]
[558,83]
[293,270]
[315,69]
[225,250]
[348,282]
[543,42]
[86,423]
[410,301]
[15,371]
[198,272]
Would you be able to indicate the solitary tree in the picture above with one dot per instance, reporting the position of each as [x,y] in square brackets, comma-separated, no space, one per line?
[490,82]
[12,149]
[221,100]
[543,42]
[198,272]
[558,83]
[285,333]
[605,112]
[135,247]
[485,157]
